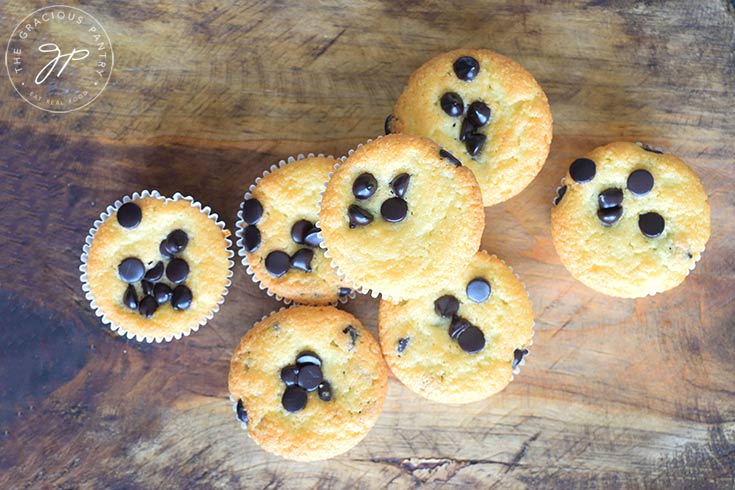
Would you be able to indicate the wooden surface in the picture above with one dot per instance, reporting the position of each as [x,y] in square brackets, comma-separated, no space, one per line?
[616,393]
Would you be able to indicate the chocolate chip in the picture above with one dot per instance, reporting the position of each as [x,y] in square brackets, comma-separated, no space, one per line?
[466,68]
[478,290]
[312,237]
[251,238]
[445,154]
[129,215]
[458,326]
[344,291]
[162,293]
[309,377]
[610,216]
[277,263]
[402,344]
[147,287]
[242,414]
[560,194]
[518,356]
[176,241]
[181,298]
[294,399]
[289,375]
[130,299]
[651,224]
[466,130]
[452,104]
[610,198]
[582,170]
[478,113]
[474,143]
[164,251]
[471,340]
[308,357]
[386,125]
[177,270]
[154,273]
[353,333]
[325,391]
[364,186]
[301,260]
[252,211]
[131,270]
[300,229]
[400,184]
[394,210]
[359,216]
[640,182]
[147,306]
[446,306]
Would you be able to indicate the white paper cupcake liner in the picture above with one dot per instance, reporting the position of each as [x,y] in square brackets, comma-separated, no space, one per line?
[111,210]
[241,224]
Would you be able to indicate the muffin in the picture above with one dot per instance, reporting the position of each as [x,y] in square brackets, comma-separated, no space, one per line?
[401,215]
[308,382]
[486,110]
[461,342]
[278,236]
[630,221]
[156,268]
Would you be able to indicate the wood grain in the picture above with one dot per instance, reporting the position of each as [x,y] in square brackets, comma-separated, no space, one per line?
[616,393]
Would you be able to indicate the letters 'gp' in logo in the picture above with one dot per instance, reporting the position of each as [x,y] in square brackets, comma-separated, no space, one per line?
[59,58]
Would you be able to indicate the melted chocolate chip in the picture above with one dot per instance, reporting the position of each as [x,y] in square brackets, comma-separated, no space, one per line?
[164,251]
[458,326]
[154,273]
[130,299]
[277,263]
[445,154]
[162,293]
[300,229]
[251,238]
[400,184]
[344,291]
[610,198]
[402,344]
[610,216]
[147,287]
[364,186]
[518,356]
[452,104]
[177,270]
[359,216]
[308,357]
[651,224]
[474,143]
[301,260]
[131,270]
[446,306]
[353,333]
[466,68]
[640,182]
[294,399]
[478,290]
[289,374]
[466,130]
[147,306]
[242,414]
[325,391]
[129,215]
[309,377]
[582,170]
[387,124]
[252,211]
[394,210]
[176,241]
[560,194]
[478,113]
[181,298]
[312,238]
[471,340]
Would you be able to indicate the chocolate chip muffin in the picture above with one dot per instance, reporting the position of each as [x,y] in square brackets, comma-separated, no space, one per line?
[401,215]
[486,110]
[461,342]
[308,382]
[630,221]
[156,268]
[278,236]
